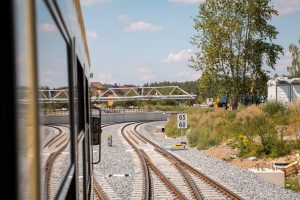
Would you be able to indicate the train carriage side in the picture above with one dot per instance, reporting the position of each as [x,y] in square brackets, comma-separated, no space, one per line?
[47,50]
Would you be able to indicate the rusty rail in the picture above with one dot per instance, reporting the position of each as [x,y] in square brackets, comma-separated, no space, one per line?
[49,165]
[147,179]
[207,179]
[99,191]
[53,140]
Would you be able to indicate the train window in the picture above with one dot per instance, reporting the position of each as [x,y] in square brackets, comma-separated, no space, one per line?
[80,96]
[80,107]
[54,103]
[87,100]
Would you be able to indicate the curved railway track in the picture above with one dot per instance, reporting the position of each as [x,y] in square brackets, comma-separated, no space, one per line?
[207,187]
[147,164]
[181,179]
[165,176]
[60,145]
[99,192]
[97,188]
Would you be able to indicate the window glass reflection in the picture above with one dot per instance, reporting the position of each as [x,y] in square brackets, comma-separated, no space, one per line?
[53,90]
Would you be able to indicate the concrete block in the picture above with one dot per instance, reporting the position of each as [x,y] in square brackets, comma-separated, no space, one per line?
[275,176]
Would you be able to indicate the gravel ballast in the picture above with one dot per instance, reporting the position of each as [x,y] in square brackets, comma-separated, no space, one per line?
[244,182]
[117,160]
[116,164]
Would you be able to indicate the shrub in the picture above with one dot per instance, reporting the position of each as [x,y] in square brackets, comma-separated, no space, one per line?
[280,148]
[295,144]
[292,184]
[250,111]
[246,146]
[202,138]
[273,108]
[271,146]
[230,116]
[171,129]
[209,127]
[193,138]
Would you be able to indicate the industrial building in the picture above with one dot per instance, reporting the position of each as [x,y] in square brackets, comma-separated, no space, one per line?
[283,89]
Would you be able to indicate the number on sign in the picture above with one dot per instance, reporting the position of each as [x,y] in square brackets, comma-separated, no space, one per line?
[182,124]
[182,117]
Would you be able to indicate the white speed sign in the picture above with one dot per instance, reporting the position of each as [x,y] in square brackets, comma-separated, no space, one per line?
[181,117]
[182,121]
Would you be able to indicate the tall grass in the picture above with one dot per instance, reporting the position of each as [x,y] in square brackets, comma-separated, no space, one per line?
[252,129]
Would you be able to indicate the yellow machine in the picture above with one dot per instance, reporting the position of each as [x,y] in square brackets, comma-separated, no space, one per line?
[178,147]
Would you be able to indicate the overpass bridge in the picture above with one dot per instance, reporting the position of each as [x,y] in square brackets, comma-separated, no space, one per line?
[121,94]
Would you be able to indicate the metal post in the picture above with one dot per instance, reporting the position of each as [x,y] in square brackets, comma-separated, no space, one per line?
[181,135]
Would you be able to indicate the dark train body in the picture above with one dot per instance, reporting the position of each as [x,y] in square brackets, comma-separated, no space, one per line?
[46,49]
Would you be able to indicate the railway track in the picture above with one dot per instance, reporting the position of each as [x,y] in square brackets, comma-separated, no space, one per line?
[146,164]
[57,145]
[180,179]
[97,188]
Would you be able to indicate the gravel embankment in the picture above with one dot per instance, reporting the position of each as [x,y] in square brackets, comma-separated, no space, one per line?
[115,163]
[244,182]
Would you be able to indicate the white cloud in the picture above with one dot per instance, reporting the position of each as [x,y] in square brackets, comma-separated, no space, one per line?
[182,55]
[287,7]
[91,35]
[105,78]
[92,2]
[123,18]
[142,26]
[48,28]
[145,74]
[186,1]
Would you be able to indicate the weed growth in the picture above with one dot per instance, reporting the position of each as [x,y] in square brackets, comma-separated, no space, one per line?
[252,129]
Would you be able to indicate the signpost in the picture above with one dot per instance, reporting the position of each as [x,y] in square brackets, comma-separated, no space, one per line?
[182,123]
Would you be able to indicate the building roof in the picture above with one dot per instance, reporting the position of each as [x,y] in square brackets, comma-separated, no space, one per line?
[284,81]
[98,85]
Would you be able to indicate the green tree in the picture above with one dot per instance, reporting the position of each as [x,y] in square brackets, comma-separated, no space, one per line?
[294,69]
[234,37]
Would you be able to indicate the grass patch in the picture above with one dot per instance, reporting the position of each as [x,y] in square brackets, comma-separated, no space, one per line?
[292,184]
[251,129]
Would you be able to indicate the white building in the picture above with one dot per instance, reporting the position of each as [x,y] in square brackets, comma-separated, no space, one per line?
[283,89]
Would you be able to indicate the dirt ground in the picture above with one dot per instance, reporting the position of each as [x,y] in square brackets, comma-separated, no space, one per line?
[224,152]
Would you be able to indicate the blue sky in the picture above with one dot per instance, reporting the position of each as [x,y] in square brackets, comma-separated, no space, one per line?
[139,41]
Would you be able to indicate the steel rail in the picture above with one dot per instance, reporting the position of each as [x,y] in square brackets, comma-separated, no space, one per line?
[136,135]
[204,177]
[96,186]
[134,140]
[165,179]
[147,179]
[98,190]
[195,191]
[211,182]
[147,162]
[49,164]
[53,139]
